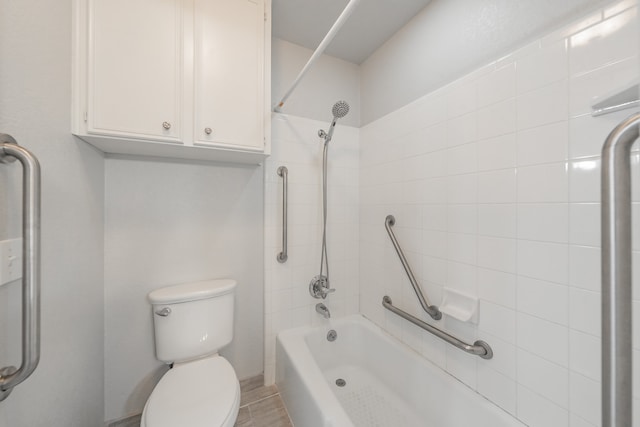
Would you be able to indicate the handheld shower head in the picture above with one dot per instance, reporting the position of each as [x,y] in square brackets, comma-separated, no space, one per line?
[340,109]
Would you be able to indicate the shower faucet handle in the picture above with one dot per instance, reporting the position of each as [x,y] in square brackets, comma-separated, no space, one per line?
[319,287]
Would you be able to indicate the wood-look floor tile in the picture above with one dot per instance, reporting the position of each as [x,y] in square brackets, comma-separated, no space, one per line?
[252,383]
[269,412]
[257,394]
[244,418]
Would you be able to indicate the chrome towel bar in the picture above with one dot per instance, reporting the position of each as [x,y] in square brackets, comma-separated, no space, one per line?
[432,310]
[9,375]
[284,173]
[617,353]
[478,348]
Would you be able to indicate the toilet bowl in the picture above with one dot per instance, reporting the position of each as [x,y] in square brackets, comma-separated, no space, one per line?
[192,322]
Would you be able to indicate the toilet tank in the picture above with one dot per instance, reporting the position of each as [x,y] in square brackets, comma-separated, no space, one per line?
[192,320]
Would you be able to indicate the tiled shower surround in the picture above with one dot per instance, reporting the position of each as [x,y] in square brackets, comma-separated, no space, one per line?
[494,184]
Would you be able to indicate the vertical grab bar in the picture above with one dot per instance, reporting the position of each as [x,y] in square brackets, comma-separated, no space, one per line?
[284,173]
[432,310]
[616,274]
[9,375]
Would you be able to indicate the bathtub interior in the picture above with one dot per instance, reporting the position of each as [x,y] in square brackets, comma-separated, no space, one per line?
[387,382]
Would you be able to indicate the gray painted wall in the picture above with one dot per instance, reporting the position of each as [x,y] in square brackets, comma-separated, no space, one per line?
[35,96]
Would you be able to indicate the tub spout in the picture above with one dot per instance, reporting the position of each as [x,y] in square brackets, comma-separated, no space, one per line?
[322,309]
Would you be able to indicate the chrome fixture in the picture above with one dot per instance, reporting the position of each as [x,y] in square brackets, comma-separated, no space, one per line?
[432,310]
[284,173]
[322,309]
[478,348]
[617,353]
[320,286]
[9,375]
[332,335]
[164,312]
[166,125]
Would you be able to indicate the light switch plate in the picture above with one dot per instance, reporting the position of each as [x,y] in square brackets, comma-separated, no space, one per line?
[10,260]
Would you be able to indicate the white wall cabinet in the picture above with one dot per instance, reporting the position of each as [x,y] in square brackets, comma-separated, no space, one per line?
[183,79]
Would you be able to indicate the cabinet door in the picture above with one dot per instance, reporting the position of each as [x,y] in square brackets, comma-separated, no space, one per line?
[229,73]
[135,63]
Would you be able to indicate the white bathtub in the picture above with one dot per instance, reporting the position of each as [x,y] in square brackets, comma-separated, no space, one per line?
[387,384]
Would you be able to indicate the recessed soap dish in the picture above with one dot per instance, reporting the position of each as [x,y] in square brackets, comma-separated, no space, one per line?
[460,306]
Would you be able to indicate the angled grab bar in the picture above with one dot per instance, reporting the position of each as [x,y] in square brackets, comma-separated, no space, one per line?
[284,173]
[432,310]
[478,348]
[9,375]
[617,353]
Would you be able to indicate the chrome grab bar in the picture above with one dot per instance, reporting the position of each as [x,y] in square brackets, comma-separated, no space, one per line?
[284,173]
[9,375]
[478,348]
[432,310]
[616,274]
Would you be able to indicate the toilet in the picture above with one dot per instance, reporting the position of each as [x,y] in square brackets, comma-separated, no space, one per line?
[192,321]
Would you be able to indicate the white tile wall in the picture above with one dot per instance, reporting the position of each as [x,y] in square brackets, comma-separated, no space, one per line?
[494,183]
[295,144]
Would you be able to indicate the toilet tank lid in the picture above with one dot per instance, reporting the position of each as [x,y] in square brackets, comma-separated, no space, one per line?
[192,291]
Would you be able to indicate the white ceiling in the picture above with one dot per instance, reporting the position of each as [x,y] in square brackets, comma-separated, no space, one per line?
[306,22]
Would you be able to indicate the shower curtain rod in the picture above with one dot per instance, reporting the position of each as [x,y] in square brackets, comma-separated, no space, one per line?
[319,50]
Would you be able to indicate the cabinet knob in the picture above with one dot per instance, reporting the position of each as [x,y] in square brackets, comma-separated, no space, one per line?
[208,131]
[166,125]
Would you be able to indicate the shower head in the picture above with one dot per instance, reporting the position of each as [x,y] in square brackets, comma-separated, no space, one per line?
[340,109]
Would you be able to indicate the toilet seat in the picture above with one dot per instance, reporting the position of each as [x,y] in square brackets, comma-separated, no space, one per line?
[201,393]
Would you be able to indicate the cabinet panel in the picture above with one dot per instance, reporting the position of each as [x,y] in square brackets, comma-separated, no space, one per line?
[135,62]
[229,72]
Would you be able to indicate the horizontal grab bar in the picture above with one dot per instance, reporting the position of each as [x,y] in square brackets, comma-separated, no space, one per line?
[479,348]
[432,310]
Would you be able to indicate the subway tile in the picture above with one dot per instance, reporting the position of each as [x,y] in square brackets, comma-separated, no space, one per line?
[584,267]
[497,119]
[498,388]
[462,366]
[543,183]
[462,218]
[497,153]
[543,144]
[462,277]
[584,311]
[498,320]
[610,41]
[497,186]
[504,358]
[462,130]
[537,411]
[544,261]
[543,338]
[544,66]
[546,300]
[584,180]
[497,86]
[585,397]
[587,134]
[462,159]
[461,99]
[462,188]
[584,224]
[544,222]
[497,220]
[542,106]
[585,355]
[497,287]
[462,248]
[585,89]
[497,253]
[544,377]
[434,217]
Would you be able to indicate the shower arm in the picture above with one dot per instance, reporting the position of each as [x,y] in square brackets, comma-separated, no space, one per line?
[432,310]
